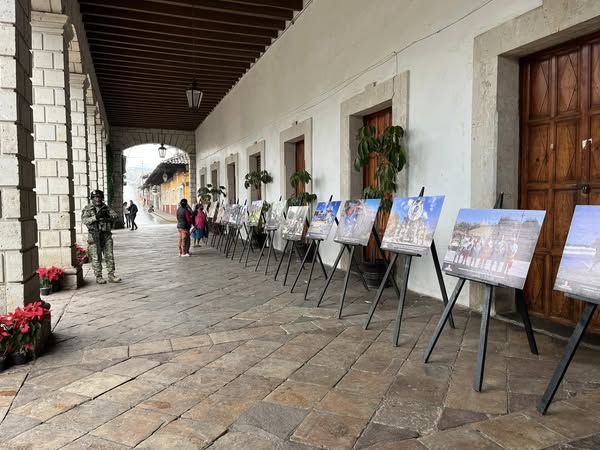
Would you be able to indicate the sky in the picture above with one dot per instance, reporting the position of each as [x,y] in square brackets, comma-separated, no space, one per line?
[492,216]
[146,156]
[585,227]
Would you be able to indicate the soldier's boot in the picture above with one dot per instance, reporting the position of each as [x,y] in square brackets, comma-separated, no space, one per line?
[100,280]
[112,278]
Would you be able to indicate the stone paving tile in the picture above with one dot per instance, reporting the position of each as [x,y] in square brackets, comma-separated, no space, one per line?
[181,434]
[50,405]
[274,368]
[250,387]
[327,376]
[276,419]
[243,440]
[365,383]
[421,417]
[188,342]
[329,431]
[517,431]
[132,427]
[167,373]
[94,385]
[348,404]
[298,395]
[567,420]
[378,436]
[12,425]
[452,418]
[149,348]
[132,367]
[132,392]
[89,415]
[89,442]
[174,400]
[461,438]
[44,436]
[219,410]
[107,353]
[58,378]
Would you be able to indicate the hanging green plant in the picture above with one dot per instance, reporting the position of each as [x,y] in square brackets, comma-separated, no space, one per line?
[389,148]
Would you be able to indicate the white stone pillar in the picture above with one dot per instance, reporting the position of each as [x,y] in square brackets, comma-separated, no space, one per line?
[53,151]
[193,175]
[100,149]
[18,253]
[104,161]
[91,140]
[78,87]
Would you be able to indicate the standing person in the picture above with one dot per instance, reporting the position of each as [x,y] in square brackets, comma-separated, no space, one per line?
[99,218]
[127,215]
[199,222]
[184,223]
[133,210]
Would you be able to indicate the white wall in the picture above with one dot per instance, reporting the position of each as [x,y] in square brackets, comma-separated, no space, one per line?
[336,48]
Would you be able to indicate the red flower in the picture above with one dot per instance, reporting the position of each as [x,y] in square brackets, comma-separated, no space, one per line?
[24,328]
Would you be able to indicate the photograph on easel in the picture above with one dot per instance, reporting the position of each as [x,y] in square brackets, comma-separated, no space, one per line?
[411,224]
[293,228]
[493,246]
[579,269]
[323,219]
[356,221]
[235,214]
[212,211]
[227,215]
[254,213]
[275,216]
[221,214]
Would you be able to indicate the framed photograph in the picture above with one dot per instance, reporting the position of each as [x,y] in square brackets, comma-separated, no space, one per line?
[275,215]
[493,246]
[212,211]
[411,224]
[579,271]
[323,219]
[293,229]
[235,216]
[227,214]
[220,214]
[254,213]
[356,221]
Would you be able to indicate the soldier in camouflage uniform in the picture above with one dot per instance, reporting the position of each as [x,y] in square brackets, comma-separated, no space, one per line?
[99,218]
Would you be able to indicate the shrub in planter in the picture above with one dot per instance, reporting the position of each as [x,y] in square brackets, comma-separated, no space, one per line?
[24,331]
[81,254]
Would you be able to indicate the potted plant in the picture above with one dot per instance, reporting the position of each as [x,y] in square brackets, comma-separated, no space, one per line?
[5,327]
[81,254]
[254,180]
[303,198]
[26,329]
[55,275]
[45,284]
[391,159]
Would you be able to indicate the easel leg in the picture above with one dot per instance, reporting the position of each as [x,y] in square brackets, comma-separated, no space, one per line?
[565,361]
[385,260]
[345,288]
[353,260]
[440,277]
[248,237]
[524,311]
[380,290]
[287,243]
[238,235]
[445,315]
[333,269]
[322,265]
[289,262]
[302,265]
[483,337]
[270,237]
[248,250]
[262,251]
[312,266]
[401,300]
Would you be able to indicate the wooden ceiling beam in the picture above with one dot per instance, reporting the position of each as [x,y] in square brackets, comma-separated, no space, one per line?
[146,9]
[218,37]
[239,8]
[122,83]
[149,67]
[177,80]
[295,5]
[142,43]
[108,14]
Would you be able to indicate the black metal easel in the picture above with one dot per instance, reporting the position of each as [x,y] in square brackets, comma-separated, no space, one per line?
[485,321]
[404,288]
[565,360]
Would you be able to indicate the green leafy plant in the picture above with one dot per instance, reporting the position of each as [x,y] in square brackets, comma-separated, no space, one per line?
[208,192]
[256,178]
[389,148]
[301,177]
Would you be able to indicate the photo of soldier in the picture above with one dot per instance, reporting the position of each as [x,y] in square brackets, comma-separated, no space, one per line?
[579,270]
[99,220]
[323,219]
[493,246]
[356,221]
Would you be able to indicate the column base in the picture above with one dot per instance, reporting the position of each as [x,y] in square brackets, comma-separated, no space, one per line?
[73,278]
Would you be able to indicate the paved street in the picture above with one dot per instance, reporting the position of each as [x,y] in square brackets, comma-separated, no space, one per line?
[200,352]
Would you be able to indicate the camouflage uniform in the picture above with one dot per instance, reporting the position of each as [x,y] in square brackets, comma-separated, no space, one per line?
[104,225]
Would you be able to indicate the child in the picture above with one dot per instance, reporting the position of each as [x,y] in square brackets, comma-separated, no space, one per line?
[199,224]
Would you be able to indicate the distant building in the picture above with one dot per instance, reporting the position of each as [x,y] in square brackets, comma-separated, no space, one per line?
[168,183]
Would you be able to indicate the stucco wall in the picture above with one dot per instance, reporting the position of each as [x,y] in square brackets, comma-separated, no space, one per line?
[332,52]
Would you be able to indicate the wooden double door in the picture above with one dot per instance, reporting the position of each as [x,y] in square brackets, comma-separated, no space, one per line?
[559,160]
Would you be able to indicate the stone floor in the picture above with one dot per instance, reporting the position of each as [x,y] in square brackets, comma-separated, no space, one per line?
[200,352]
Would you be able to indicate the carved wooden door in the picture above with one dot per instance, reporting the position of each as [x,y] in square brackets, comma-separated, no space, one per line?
[560,160]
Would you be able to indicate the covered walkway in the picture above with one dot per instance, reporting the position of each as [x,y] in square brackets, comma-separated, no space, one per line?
[200,352]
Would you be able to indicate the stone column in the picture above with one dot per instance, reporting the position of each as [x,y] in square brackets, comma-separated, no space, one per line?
[100,149]
[91,140]
[78,86]
[117,179]
[193,175]
[53,151]
[104,147]
[18,233]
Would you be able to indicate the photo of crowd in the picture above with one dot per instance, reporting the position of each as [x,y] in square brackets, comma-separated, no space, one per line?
[293,229]
[275,215]
[254,213]
[493,246]
[411,224]
[579,270]
[356,221]
[323,219]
